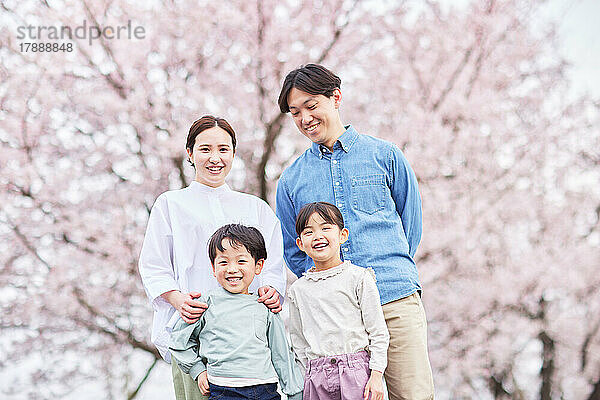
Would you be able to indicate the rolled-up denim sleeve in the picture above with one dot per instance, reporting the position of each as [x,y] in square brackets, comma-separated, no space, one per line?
[405,192]
[295,258]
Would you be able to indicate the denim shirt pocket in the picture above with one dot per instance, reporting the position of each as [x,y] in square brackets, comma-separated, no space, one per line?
[260,326]
[368,193]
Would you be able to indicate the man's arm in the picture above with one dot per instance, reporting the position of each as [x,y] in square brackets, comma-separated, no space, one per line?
[295,258]
[405,192]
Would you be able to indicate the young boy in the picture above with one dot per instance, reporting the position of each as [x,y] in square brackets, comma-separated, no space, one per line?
[238,348]
[337,326]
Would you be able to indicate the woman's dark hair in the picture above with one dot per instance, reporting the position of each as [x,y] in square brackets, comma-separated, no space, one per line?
[204,123]
[310,78]
[330,213]
[238,235]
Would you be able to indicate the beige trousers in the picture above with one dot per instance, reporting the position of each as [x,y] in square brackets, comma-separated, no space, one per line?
[185,387]
[408,374]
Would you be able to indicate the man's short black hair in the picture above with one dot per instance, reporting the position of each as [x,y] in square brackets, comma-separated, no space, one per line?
[238,235]
[310,78]
[330,213]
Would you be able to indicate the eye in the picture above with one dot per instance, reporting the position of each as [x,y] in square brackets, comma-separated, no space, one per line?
[224,149]
[312,107]
[203,149]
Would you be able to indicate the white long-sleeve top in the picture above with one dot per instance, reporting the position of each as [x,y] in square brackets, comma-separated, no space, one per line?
[174,254]
[337,311]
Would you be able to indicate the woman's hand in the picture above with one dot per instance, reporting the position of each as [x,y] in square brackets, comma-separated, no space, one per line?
[190,310]
[270,298]
[203,383]
[374,386]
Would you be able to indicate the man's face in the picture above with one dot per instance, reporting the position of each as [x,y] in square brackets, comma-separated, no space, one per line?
[316,116]
[235,268]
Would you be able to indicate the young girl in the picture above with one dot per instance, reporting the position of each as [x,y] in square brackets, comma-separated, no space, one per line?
[337,327]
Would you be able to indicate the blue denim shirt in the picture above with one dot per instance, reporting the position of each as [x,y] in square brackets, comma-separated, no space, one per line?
[372,184]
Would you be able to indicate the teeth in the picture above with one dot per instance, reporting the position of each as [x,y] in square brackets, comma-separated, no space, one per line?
[320,245]
[312,127]
[234,279]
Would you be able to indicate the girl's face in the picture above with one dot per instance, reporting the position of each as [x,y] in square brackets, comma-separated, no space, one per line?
[212,156]
[321,241]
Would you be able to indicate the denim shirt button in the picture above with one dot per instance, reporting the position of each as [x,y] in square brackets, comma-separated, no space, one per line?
[334,161]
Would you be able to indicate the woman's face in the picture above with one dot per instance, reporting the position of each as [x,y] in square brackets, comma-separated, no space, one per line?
[212,156]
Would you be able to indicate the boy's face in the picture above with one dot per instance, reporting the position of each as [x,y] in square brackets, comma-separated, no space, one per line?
[321,241]
[235,268]
[316,116]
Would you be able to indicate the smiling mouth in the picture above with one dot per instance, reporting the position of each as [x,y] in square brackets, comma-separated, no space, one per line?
[311,128]
[234,279]
[319,246]
[215,169]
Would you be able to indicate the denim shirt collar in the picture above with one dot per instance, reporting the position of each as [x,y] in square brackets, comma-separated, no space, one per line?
[344,142]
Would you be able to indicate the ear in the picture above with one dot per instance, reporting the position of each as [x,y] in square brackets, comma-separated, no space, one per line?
[344,235]
[214,272]
[189,152]
[259,266]
[299,243]
[337,98]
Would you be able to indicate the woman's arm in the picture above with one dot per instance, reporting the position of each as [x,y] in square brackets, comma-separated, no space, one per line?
[156,266]
[189,309]
[273,275]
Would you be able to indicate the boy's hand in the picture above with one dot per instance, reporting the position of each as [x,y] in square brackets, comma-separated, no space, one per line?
[374,386]
[203,383]
[270,298]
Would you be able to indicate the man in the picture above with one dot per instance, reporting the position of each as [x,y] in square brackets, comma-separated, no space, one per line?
[374,187]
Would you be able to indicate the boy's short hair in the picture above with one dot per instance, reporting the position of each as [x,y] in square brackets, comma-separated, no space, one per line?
[238,235]
[330,213]
[310,78]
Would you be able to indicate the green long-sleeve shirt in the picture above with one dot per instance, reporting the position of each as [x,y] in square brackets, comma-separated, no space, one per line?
[237,339]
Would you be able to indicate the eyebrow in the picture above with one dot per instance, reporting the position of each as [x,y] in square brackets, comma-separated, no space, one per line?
[305,101]
[207,144]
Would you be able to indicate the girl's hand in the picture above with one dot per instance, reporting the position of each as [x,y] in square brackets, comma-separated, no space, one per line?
[270,298]
[190,310]
[203,383]
[374,386]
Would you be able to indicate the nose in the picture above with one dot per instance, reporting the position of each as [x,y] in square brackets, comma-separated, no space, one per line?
[231,268]
[214,157]
[306,117]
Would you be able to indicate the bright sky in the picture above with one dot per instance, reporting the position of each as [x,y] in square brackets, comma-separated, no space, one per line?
[579,30]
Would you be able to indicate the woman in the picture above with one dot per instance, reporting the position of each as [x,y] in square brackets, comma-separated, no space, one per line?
[174,263]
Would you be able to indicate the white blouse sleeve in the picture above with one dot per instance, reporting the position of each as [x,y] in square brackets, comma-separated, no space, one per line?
[156,257]
[374,320]
[273,273]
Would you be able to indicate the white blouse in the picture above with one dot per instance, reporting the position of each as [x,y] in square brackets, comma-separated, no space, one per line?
[337,311]
[174,254]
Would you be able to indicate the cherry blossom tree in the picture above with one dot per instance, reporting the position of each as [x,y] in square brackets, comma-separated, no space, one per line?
[507,161]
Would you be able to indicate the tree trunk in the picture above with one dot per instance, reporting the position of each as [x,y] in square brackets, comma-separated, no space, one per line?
[595,395]
[547,371]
